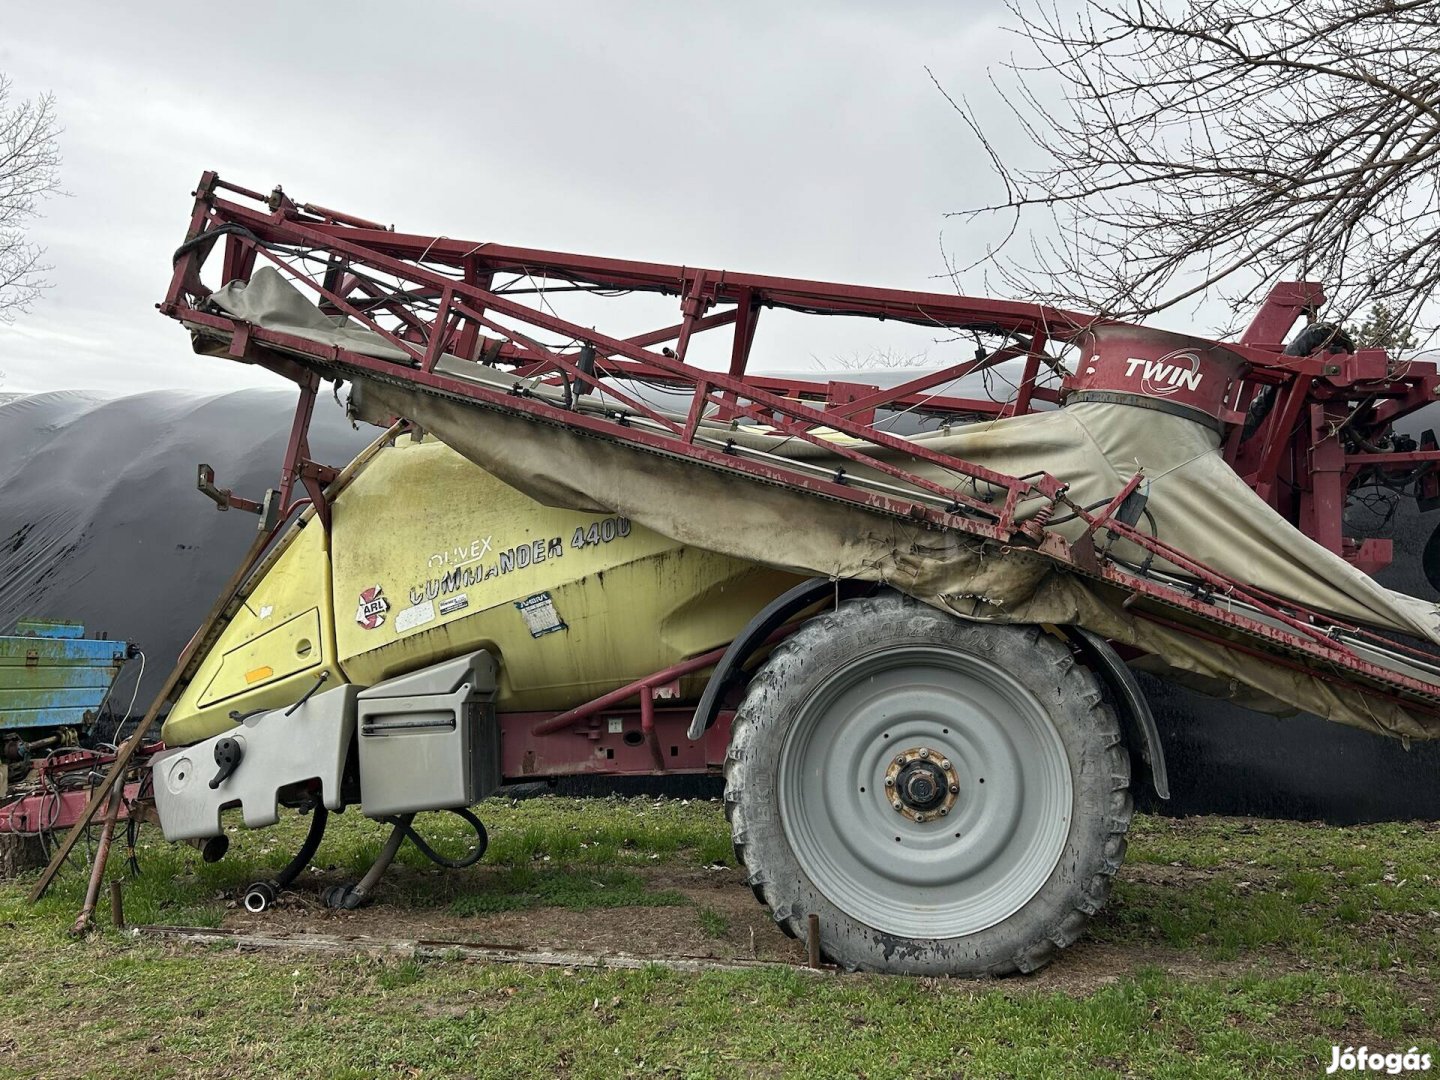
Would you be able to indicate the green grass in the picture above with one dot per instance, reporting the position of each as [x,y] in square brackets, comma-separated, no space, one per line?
[521,887]
[713,922]
[1230,948]
[1351,898]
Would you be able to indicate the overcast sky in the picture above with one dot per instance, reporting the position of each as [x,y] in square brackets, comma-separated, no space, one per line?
[800,138]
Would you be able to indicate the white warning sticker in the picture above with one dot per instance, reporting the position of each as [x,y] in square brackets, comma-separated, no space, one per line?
[540,614]
[416,615]
[454,603]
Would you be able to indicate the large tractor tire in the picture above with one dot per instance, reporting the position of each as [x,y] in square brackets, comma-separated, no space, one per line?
[949,797]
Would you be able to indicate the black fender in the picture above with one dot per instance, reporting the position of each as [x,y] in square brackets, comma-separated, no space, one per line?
[769,619]
[1141,735]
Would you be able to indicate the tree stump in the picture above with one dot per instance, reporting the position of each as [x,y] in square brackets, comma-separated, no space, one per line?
[19,854]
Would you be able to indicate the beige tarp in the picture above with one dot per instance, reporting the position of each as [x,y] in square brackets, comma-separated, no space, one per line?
[1197,502]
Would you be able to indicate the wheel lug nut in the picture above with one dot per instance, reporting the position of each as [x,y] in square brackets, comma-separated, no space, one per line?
[924,753]
[954,789]
[944,763]
[899,759]
[944,810]
[919,817]
[889,781]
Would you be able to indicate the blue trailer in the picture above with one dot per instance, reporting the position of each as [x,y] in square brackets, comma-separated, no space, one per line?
[53,682]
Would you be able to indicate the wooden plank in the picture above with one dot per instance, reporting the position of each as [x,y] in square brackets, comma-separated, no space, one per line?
[424,949]
[41,699]
[17,650]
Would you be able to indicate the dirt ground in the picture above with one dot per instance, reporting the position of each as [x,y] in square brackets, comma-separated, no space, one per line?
[678,932]
[636,931]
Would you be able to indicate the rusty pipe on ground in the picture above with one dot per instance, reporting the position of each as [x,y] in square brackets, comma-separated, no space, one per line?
[117,903]
[102,856]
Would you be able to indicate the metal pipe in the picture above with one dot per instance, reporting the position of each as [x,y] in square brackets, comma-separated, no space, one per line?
[117,904]
[647,726]
[102,856]
[639,686]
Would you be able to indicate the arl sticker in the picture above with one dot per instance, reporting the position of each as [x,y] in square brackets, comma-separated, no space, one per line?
[371,612]
[540,615]
[1168,375]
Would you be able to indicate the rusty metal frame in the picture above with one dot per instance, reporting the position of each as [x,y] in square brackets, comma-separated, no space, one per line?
[1295,459]
[446,313]
[459,300]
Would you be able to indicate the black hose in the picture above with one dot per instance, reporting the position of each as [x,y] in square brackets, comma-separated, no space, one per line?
[1072,516]
[207,239]
[132,825]
[349,897]
[482,840]
[262,894]
[319,817]
[131,829]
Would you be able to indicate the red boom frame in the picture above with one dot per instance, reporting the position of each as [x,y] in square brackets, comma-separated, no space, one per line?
[427,296]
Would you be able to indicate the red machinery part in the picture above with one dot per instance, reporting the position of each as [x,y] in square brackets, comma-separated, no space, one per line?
[55,793]
[426,296]
[1304,469]
[1158,369]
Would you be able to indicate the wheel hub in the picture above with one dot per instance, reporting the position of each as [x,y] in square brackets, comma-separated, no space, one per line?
[922,784]
[860,768]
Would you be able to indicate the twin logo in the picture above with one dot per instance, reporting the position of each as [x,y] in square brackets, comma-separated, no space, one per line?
[1168,375]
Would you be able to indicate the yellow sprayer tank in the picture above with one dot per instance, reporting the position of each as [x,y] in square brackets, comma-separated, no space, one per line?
[429,557]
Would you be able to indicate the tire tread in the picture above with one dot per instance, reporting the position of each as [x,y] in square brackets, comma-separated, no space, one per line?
[1074,681]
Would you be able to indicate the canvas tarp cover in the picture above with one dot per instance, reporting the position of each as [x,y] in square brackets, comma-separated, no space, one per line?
[1198,504]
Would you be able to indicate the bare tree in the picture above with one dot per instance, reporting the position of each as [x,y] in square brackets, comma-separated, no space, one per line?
[886,359]
[1211,147]
[29,172]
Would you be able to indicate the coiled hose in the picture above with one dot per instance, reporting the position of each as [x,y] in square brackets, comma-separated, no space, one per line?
[349,897]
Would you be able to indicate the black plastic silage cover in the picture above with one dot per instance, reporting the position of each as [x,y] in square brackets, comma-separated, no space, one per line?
[100,519]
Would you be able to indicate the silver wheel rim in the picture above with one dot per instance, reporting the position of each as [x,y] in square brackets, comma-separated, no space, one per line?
[943,876]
